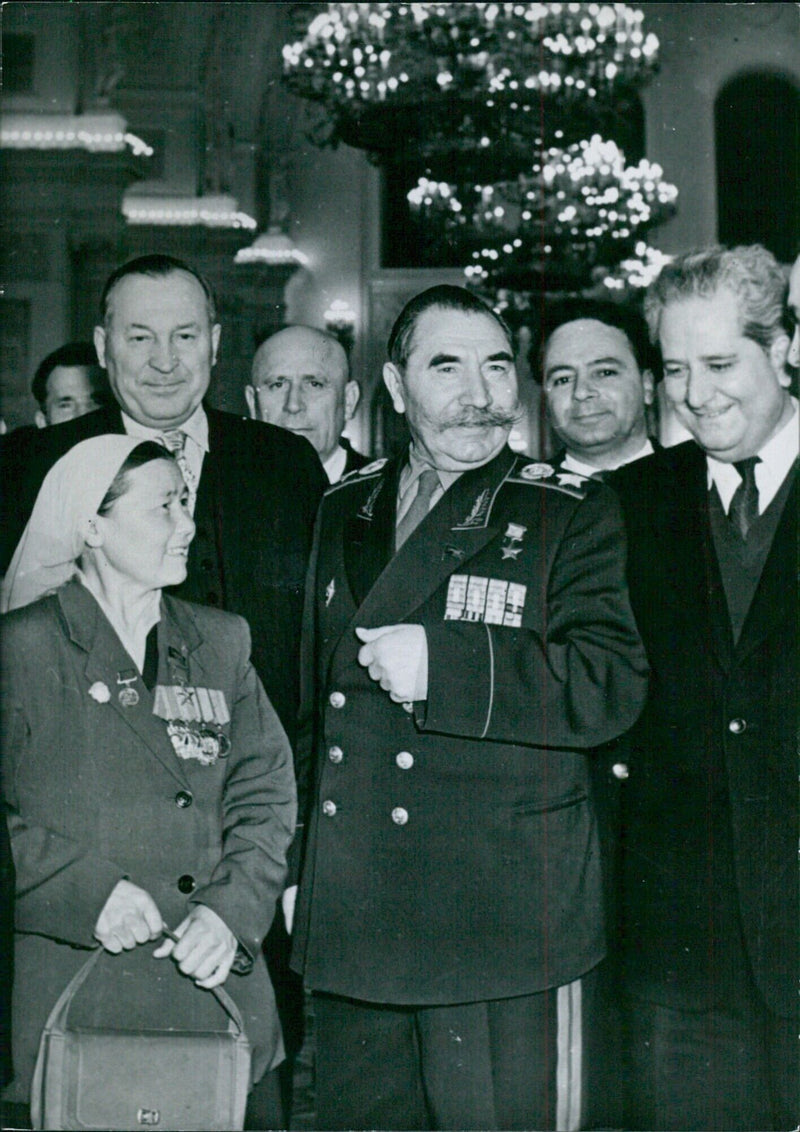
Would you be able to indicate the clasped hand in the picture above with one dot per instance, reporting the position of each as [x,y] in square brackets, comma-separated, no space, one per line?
[396,657]
[205,949]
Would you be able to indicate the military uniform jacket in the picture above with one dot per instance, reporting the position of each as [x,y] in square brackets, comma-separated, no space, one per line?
[710,810]
[452,848]
[96,792]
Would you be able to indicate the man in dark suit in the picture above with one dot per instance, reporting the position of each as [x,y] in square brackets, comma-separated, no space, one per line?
[301,382]
[596,371]
[467,637]
[254,488]
[710,810]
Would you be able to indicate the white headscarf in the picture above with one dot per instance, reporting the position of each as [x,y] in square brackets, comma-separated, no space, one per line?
[71,493]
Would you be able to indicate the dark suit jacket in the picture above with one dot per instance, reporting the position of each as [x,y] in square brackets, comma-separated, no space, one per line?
[710,810]
[354,460]
[259,491]
[96,793]
[453,852]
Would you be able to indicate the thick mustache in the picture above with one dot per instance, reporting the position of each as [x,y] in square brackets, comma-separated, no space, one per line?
[484,418]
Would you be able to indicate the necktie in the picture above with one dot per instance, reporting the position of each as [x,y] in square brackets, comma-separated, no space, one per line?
[426,486]
[175,440]
[743,510]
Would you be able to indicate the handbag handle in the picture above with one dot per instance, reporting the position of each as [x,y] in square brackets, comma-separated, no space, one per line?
[58,1015]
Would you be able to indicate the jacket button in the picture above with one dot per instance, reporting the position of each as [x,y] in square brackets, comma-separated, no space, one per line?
[737,726]
[337,699]
[328,808]
[405,760]
[335,754]
[183,799]
[399,815]
[620,770]
[186,884]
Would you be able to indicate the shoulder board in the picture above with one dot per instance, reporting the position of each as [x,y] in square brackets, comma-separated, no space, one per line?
[545,475]
[358,475]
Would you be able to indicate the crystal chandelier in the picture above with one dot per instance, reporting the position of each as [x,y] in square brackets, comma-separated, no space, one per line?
[575,215]
[451,81]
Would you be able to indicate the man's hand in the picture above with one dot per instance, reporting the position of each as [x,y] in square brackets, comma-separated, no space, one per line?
[396,656]
[288,901]
[205,949]
[129,917]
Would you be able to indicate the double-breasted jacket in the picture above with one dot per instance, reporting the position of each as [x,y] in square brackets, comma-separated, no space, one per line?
[452,850]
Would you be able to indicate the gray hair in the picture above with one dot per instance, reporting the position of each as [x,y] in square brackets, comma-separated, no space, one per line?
[750,272]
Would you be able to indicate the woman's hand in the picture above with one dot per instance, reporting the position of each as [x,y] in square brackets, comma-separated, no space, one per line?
[129,917]
[205,949]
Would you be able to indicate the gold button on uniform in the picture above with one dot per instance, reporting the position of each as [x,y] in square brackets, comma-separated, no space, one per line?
[399,815]
[405,760]
[620,770]
[328,808]
[737,726]
[335,754]
[336,699]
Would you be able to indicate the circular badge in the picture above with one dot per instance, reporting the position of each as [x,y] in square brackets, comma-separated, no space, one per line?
[128,697]
[536,471]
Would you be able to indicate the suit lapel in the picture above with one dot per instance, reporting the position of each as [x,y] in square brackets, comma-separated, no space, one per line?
[452,533]
[682,536]
[108,664]
[369,534]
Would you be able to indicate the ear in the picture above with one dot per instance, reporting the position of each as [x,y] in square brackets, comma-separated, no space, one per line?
[91,532]
[393,381]
[100,345]
[778,353]
[216,331]
[352,395]
[40,418]
[250,398]
[648,386]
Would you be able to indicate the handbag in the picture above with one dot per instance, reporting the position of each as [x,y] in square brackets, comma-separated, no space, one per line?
[91,1078]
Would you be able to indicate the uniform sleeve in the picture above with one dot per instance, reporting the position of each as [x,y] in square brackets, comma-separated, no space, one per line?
[574,674]
[62,884]
[259,807]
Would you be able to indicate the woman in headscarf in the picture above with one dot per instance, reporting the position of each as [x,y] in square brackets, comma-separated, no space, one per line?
[148,782]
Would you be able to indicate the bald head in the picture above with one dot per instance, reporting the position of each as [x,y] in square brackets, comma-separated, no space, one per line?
[301,382]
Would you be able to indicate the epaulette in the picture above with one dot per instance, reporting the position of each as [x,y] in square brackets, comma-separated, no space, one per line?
[545,475]
[359,474]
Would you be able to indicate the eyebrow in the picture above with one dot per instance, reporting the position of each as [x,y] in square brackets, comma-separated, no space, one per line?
[610,360]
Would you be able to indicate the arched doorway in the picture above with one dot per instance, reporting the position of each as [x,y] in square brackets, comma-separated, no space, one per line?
[757,132]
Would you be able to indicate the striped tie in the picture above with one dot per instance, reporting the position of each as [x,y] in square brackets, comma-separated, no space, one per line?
[743,511]
[175,440]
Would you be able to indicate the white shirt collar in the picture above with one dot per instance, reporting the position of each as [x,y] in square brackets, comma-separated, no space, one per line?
[776,458]
[571,464]
[195,427]
[334,465]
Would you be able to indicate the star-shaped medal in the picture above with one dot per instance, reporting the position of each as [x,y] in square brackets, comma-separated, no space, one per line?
[571,479]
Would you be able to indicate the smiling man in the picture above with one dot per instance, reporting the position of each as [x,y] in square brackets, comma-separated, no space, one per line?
[467,638]
[301,382]
[710,810]
[597,380]
[254,489]
[158,339]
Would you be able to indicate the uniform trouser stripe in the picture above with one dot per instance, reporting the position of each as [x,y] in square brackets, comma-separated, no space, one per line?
[569,1065]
